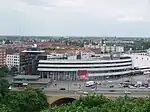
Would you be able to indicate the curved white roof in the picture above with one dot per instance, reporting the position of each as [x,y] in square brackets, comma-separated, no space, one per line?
[82,61]
[25,51]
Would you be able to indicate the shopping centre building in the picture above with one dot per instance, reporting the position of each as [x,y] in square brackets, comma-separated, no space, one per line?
[84,66]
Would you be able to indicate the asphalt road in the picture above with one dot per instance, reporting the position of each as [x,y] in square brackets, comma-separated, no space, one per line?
[74,85]
[117,92]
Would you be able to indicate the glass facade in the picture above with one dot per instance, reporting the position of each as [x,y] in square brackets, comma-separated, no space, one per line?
[59,75]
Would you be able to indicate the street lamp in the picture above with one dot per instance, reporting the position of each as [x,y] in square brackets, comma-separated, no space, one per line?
[115,48]
[68,80]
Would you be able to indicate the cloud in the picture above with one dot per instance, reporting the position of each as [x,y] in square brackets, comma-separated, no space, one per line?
[72,15]
[107,9]
[131,19]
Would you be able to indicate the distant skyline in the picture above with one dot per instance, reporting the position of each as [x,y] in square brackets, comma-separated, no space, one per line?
[75,18]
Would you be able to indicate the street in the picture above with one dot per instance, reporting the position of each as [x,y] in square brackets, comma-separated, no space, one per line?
[74,88]
[104,92]
[76,85]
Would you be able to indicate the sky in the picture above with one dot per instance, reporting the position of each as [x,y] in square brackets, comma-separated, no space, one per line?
[75,17]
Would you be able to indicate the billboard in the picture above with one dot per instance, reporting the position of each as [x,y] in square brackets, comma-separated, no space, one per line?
[83,74]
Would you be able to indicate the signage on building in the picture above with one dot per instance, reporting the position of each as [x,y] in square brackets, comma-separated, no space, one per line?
[83,74]
[27,69]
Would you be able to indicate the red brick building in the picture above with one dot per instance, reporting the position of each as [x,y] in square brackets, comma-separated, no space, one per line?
[3,52]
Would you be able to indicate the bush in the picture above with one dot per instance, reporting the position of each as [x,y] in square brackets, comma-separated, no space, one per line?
[102,104]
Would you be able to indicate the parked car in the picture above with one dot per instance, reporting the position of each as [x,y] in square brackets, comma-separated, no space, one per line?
[112,90]
[127,81]
[82,92]
[145,85]
[111,86]
[127,92]
[85,92]
[132,87]
[62,88]
[149,87]
[141,87]
[121,83]
[125,86]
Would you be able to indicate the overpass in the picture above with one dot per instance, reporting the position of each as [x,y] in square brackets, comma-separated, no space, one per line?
[61,97]
[58,97]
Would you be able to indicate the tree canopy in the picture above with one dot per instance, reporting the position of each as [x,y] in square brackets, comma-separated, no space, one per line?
[102,104]
[141,45]
[13,71]
[4,108]
[3,71]
[4,85]
[28,100]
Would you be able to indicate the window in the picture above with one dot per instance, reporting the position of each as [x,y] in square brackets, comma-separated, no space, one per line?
[15,59]
[15,56]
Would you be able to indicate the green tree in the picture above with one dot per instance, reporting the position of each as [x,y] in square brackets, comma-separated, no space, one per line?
[3,71]
[102,104]
[7,42]
[13,70]
[4,108]
[4,85]
[28,100]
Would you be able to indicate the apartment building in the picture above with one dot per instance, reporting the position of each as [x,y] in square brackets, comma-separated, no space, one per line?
[13,60]
[108,49]
[19,60]
[2,56]
[92,46]
[3,53]
[105,48]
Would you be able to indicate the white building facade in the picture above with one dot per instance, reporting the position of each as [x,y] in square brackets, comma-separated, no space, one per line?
[92,46]
[105,48]
[140,60]
[13,60]
[108,49]
[96,68]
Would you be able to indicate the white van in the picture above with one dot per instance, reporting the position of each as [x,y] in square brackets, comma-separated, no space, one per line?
[90,83]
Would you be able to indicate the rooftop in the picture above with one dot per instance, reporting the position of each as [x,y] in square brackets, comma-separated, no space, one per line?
[91,58]
[33,51]
[40,81]
[14,54]
[27,77]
